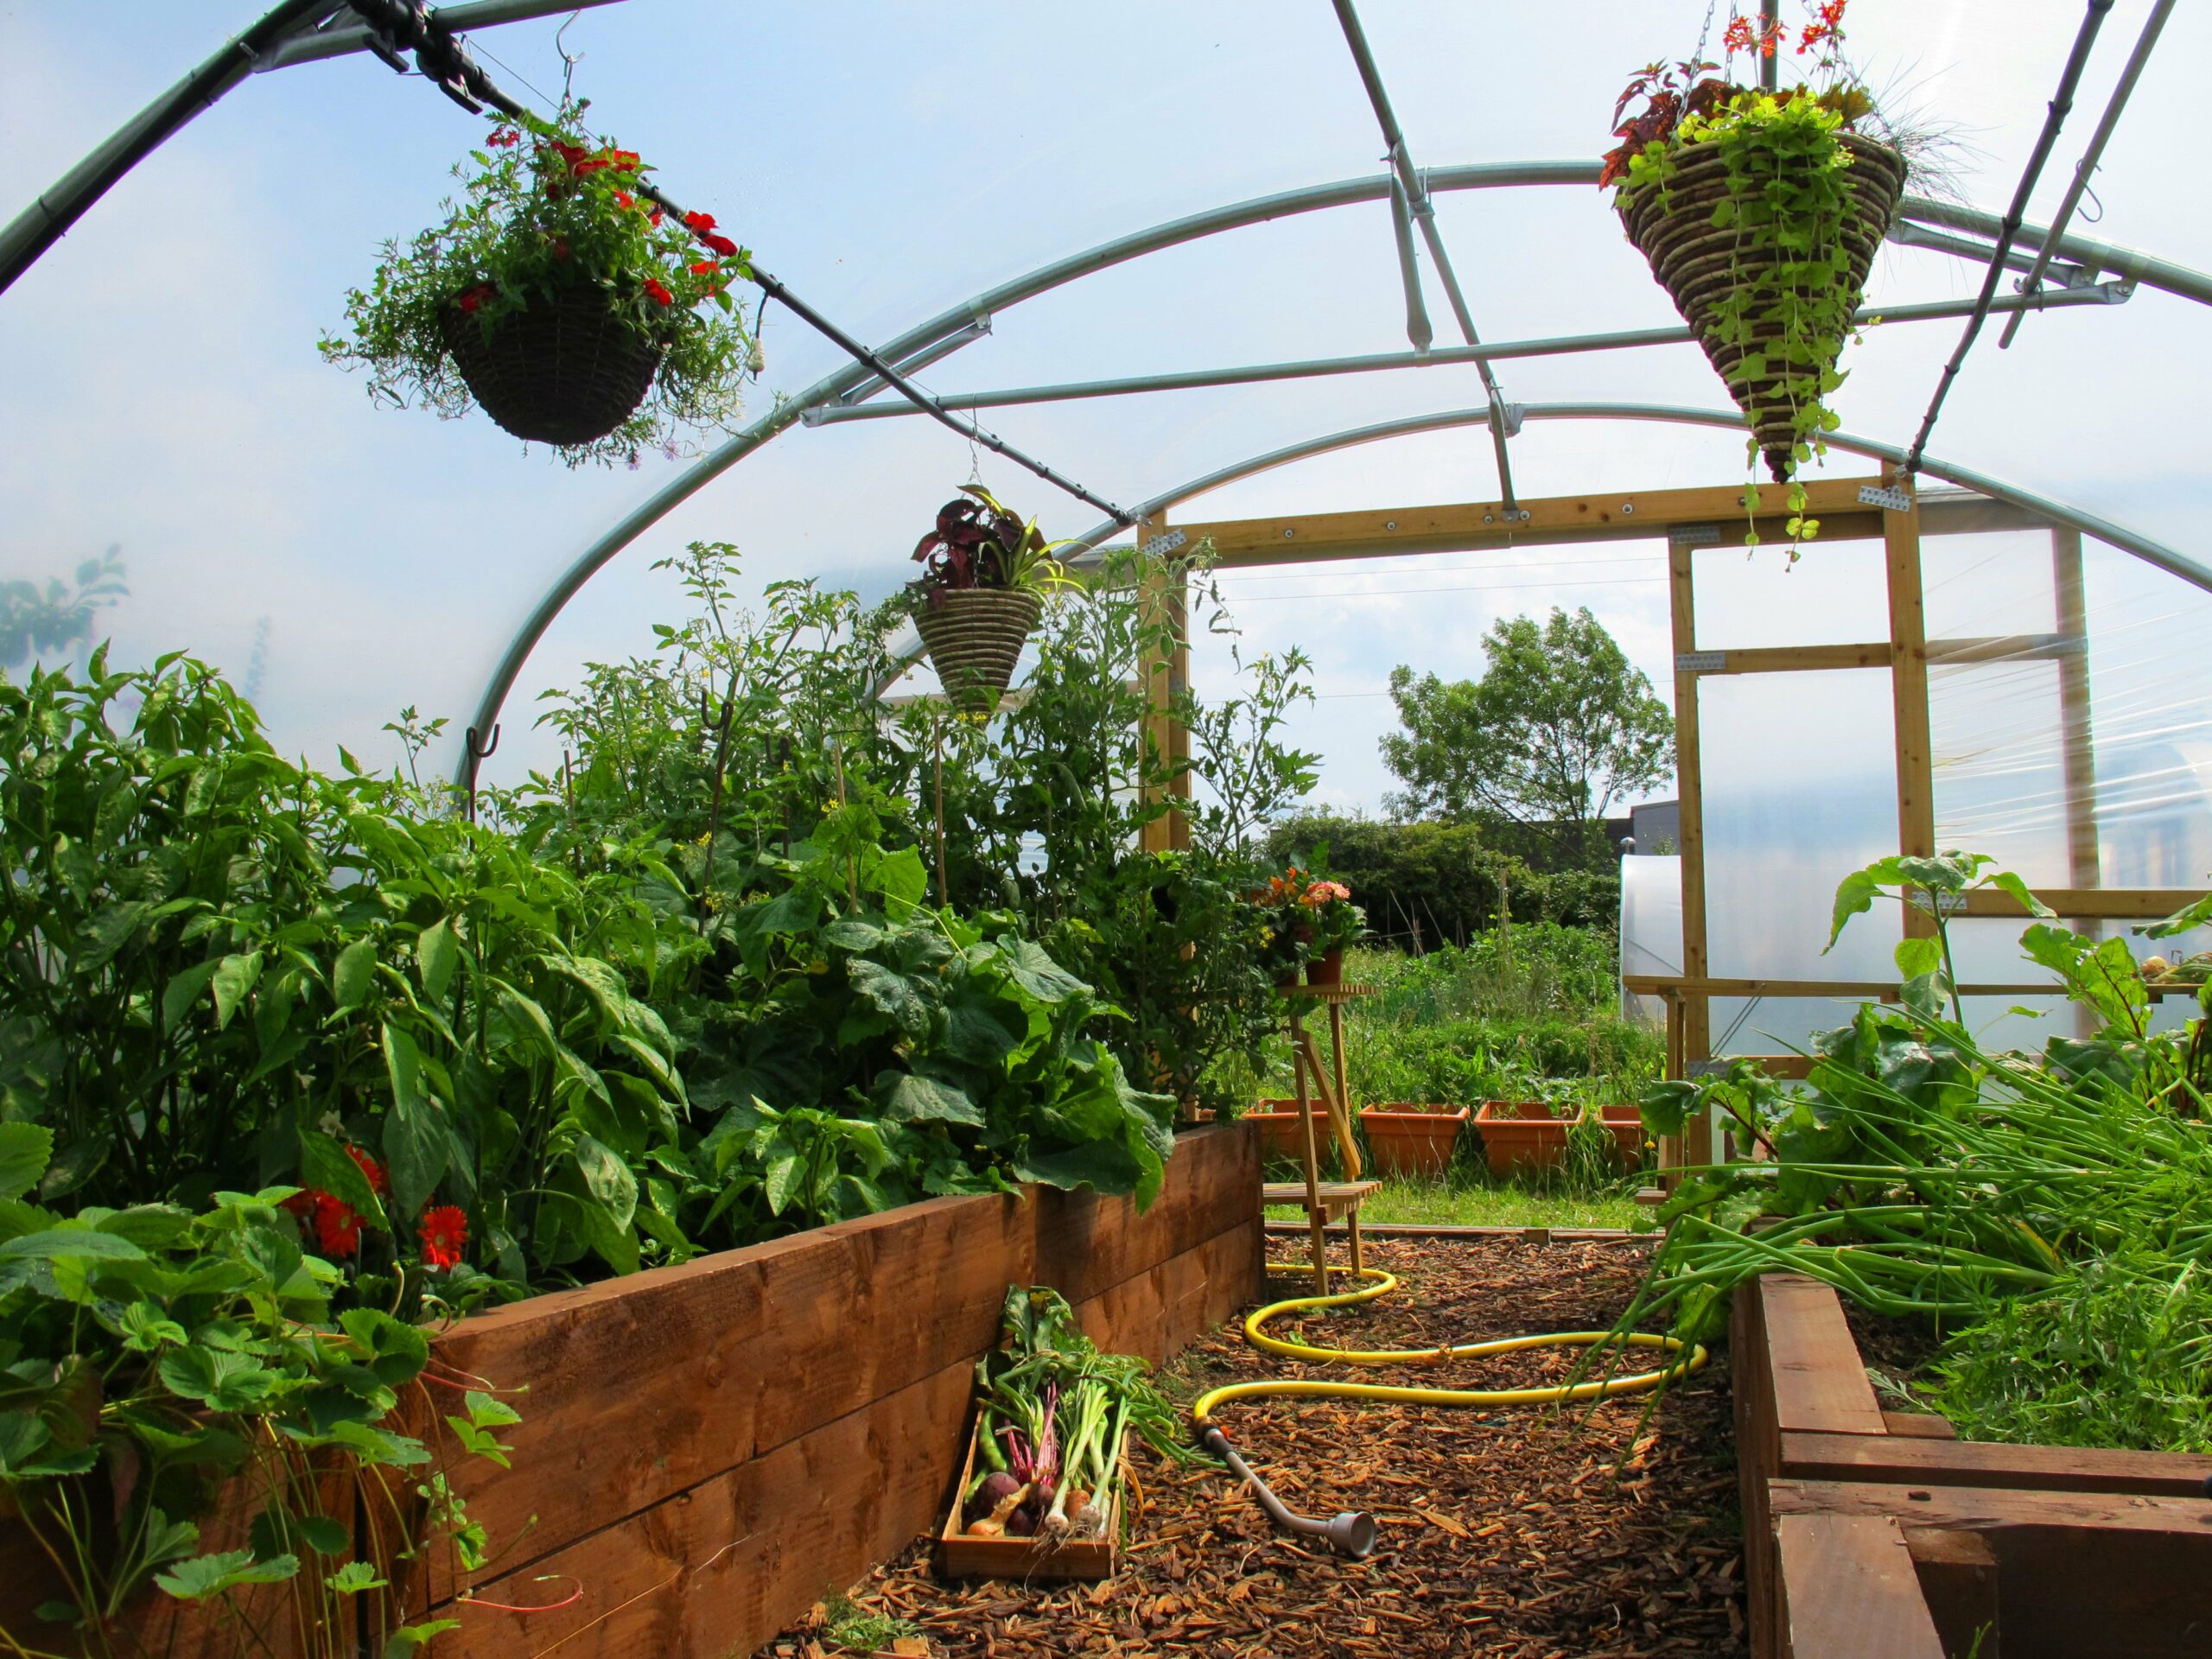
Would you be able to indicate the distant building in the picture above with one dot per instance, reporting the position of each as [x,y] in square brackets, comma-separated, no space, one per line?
[1654,826]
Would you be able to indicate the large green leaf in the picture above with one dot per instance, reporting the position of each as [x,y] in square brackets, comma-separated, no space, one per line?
[608,1178]
[417,1144]
[324,1164]
[352,974]
[24,1149]
[437,952]
[898,877]
[1028,965]
[983,1029]
[901,998]
[217,1377]
[234,979]
[1104,1165]
[205,1576]
[906,1098]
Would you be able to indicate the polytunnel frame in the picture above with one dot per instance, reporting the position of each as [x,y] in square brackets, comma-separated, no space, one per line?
[852,384]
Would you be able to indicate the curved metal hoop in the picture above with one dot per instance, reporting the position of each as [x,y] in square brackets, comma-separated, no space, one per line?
[2092,256]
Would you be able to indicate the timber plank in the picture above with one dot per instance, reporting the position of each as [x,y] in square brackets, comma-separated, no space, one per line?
[722,1566]
[1818,1379]
[1959,1576]
[1086,1243]
[1980,1508]
[1849,1590]
[1898,1459]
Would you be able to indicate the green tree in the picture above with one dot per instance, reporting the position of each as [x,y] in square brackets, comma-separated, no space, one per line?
[1558,728]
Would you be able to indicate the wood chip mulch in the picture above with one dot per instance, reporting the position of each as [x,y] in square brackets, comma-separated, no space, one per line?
[1507,1535]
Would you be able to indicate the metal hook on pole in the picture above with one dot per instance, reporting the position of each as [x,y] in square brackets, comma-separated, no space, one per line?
[569,61]
[476,757]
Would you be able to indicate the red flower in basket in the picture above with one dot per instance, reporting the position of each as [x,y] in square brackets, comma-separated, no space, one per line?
[653,287]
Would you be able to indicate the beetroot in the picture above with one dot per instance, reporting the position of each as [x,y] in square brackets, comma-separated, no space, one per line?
[1022,1523]
[996,1484]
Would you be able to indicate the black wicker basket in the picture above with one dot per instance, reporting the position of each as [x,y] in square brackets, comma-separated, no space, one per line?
[567,371]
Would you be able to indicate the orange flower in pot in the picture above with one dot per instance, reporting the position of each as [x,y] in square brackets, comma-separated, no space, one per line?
[1336,922]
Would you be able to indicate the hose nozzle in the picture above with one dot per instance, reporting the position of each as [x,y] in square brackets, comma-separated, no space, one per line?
[1351,1535]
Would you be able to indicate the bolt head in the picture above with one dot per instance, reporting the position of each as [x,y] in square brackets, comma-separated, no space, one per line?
[1628,509]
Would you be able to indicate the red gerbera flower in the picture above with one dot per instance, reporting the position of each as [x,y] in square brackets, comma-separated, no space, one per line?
[337,1226]
[653,288]
[700,221]
[624,199]
[444,1231]
[720,245]
[379,1182]
[469,299]
[705,268]
[654,218]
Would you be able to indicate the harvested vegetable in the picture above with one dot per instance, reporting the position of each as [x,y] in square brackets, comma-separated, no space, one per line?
[1055,1412]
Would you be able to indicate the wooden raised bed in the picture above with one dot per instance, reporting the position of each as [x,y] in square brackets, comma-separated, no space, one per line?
[706,1450]
[2049,1552]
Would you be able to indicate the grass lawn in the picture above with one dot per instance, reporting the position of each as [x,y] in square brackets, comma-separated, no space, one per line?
[1434,1203]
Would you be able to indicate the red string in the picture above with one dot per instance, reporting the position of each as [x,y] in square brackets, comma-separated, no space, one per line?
[570,1600]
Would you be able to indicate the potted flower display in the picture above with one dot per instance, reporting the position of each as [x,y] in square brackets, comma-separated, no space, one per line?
[1336,922]
[984,573]
[1290,931]
[559,299]
[1760,213]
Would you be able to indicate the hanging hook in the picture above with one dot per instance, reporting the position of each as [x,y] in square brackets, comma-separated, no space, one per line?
[568,75]
[476,757]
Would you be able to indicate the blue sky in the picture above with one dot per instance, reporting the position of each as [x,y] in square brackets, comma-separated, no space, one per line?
[161,391]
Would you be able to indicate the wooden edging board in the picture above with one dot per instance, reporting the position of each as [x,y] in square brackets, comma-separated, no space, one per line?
[1526,1234]
[2056,1550]
[706,1450]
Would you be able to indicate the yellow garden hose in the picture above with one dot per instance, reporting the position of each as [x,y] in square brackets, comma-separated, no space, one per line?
[1354,1534]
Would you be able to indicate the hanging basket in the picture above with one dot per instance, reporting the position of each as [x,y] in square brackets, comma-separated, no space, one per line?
[567,371]
[974,637]
[1698,264]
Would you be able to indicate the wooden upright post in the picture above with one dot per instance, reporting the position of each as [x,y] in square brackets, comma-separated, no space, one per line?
[1908,696]
[1165,675]
[1695,1041]
[2078,755]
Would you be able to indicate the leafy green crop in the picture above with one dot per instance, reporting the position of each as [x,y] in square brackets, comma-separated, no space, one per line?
[152,1357]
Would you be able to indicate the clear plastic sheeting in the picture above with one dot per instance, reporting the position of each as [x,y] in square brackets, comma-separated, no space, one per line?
[2071,741]
[1651,928]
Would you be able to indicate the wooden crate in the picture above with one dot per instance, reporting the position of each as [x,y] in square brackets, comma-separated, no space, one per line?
[961,1556]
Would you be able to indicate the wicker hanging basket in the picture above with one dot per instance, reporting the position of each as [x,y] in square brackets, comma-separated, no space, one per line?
[974,637]
[567,371]
[1698,264]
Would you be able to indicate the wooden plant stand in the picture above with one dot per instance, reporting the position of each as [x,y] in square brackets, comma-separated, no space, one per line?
[1324,1201]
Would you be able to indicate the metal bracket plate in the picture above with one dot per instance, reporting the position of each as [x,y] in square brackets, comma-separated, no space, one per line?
[1708,1068]
[1695,534]
[1891,500]
[1160,544]
[1700,662]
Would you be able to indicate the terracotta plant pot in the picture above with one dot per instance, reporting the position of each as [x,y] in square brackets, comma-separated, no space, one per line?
[1286,978]
[1412,1140]
[1327,969]
[1520,1134]
[1698,264]
[1280,1133]
[974,637]
[567,371]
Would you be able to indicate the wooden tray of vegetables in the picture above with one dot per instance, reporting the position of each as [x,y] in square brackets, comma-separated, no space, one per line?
[1041,1488]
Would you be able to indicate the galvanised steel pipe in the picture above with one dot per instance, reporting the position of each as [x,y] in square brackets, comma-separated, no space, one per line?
[337,42]
[2084,168]
[51,213]
[2102,294]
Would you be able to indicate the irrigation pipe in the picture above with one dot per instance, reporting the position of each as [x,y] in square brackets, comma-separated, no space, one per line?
[1352,1533]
